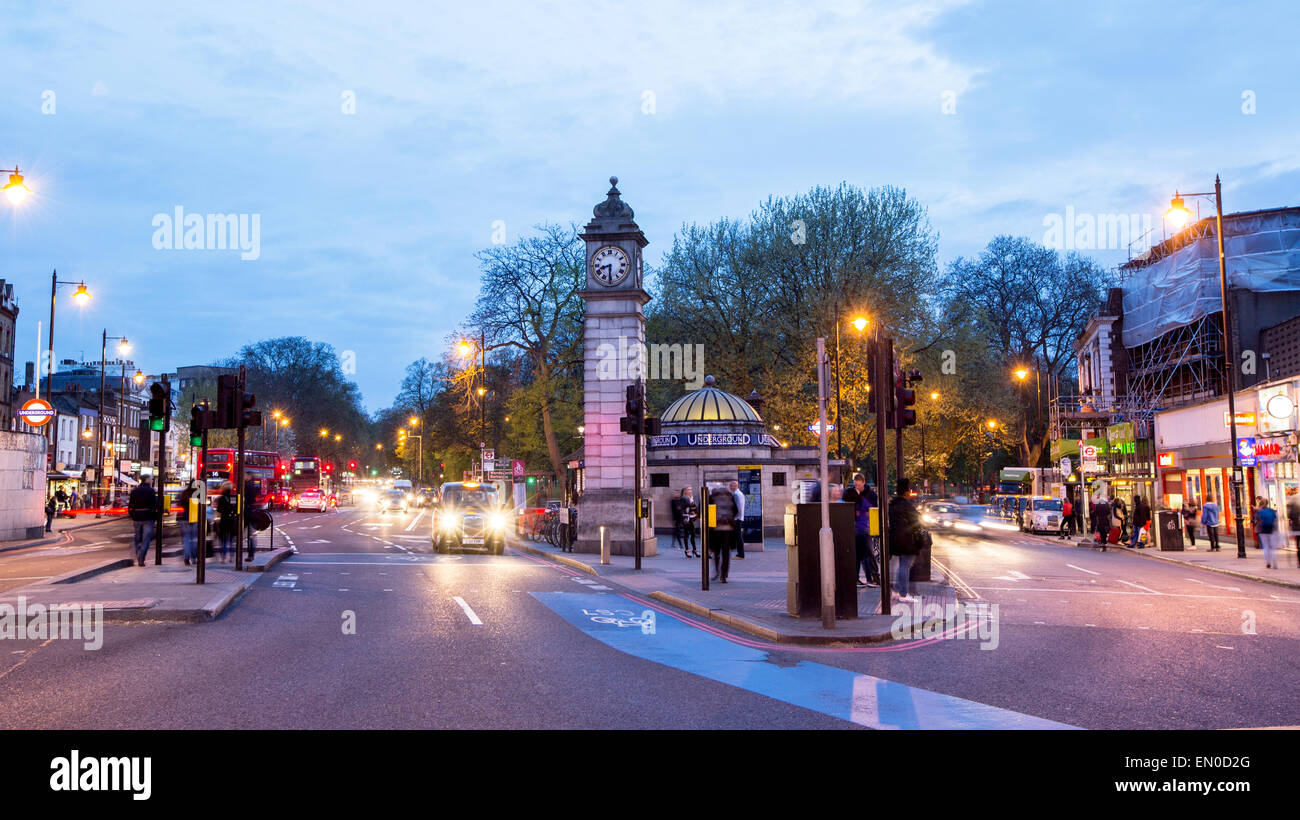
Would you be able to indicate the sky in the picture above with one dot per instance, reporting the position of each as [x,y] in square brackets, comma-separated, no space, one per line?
[377,146]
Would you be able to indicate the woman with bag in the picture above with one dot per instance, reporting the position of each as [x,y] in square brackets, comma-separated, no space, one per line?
[905,538]
[189,530]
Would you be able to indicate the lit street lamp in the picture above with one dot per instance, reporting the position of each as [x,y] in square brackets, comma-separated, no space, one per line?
[1179,216]
[16,191]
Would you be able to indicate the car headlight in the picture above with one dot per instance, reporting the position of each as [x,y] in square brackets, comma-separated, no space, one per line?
[497,521]
[449,523]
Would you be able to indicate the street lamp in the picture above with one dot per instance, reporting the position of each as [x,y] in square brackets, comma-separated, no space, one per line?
[860,323]
[1179,216]
[16,191]
[81,296]
[123,348]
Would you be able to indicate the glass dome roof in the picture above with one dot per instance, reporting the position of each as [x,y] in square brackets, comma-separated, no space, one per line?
[709,404]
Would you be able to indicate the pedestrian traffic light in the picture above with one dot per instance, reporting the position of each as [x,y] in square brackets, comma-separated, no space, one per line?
[248,417]
[227,402]
[160,420]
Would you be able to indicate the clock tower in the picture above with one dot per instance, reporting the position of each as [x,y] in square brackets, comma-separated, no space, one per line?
[614,356]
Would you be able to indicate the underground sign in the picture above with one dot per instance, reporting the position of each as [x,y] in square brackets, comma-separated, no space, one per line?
[36,412]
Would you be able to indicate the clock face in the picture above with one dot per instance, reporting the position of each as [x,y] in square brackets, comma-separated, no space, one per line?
[609,265]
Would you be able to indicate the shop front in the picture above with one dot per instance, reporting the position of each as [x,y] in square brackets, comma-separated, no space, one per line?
[1194,459]
[1278,462]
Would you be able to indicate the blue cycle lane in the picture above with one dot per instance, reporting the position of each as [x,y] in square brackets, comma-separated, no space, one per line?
[861,699]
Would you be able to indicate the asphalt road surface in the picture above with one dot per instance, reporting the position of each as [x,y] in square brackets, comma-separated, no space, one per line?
[366,628]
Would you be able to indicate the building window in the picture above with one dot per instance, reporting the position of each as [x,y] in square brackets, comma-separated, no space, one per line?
[659,480]
[778,479]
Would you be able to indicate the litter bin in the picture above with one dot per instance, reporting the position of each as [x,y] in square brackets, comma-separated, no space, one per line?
[1170,530]
[803,595]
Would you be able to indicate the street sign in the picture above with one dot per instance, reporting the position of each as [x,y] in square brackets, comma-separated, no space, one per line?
[490,455]
[517,467]
[1246,451]
[1088,452]
[1065,465]
[36,412]
[816,427]
[489,464]
[1243,419]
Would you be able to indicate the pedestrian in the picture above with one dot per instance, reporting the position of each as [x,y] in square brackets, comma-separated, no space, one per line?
[1210,520]
[1293,521]
[51,507]
[1266,532]
[1189,521]
[61,496]
[740,519]
[1254,523]
[228,522]
[720,535]
[1067,518]
[905,533]
[142,506]
[250,504]
[1101,518]
[73,500]
[189,529]
[684,514]
[1120,513]
[1141,515]
[863,500]
[679,529]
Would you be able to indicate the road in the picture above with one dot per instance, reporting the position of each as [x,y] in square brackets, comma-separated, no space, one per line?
[1084,639]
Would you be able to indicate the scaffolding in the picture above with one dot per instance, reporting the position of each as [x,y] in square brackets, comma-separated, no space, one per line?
[1074,413]
[1182,366]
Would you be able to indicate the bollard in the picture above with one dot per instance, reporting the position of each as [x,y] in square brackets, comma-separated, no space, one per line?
[604,546]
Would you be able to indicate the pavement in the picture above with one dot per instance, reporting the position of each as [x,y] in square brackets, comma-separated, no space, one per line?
[165,592]
[1225,561]
[754,598]
[79,521]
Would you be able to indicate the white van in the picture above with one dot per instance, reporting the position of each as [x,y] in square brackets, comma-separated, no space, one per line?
[403,484]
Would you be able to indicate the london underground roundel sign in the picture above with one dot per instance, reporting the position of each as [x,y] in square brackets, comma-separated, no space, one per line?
[36,412]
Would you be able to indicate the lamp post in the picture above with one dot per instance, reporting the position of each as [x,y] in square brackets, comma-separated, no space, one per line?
[419,459]
[1179,214]
[80,296]
[859,322]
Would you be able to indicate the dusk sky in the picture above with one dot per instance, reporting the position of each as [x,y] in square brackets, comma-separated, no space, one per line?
[994,115]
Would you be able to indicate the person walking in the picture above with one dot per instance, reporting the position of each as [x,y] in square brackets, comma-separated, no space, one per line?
[863,499]
[61,496]
[740,519]
[142,506]
[904,538]
[1119,510]
[690,514]
[721,534]
[1067,518]
[1254,523]
[72,500]
[228,522]
[189,530]
[250,504]
[51,507]
[1141,515]
[1101,518]
[1189,521]
[676,507]
[1210,520]
[1266,532]
[1293,521]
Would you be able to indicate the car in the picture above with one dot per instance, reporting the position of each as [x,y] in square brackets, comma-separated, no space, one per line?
[310,500]
[392,500]
[1042,514]
[469,514]
[426,497]
[954,519]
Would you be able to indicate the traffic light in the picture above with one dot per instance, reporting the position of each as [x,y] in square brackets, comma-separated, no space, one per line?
[352,465]
[635,401]
[201,420]
[329,468]
[160,421]
[227,402]
[904,398]
[532,479]
[248,417]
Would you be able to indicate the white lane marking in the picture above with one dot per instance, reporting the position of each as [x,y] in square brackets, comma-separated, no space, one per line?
[1081,569]
[1013,575]
[412,537]
[26,578]
[1040,622]
[1089,624]
[343,589]
[414,521]
[469,612]
[318,541]
[1138,586]
[1144,627]
[1213,586]
[600,587]
[1221,646]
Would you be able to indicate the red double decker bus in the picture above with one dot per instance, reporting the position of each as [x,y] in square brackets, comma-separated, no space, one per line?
[264,469]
